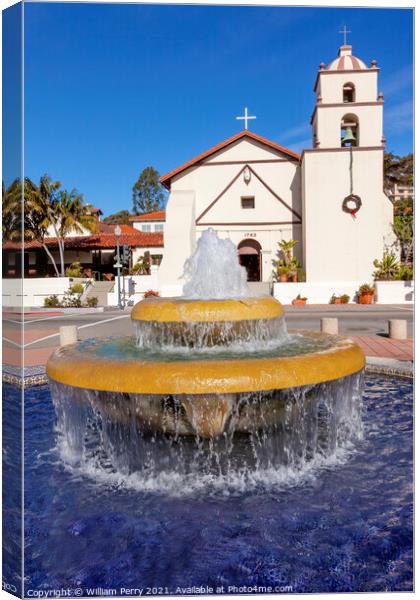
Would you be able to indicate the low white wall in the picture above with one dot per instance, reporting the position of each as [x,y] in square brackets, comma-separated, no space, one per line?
[394,292]
[387,292]
[32,291]
[36,289]
[316,293]
[134,287]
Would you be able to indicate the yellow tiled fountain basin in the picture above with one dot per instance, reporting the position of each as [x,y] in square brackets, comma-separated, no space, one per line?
[80,365]
[175,310]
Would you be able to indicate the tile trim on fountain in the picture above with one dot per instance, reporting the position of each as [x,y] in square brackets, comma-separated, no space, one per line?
[36,375]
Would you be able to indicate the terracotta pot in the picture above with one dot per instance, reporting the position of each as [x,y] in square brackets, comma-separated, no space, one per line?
[298,301]
[337,301]
[283,278]
[293,277]
[366,298]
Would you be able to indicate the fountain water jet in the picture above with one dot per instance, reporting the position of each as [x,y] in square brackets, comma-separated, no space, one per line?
[216,364]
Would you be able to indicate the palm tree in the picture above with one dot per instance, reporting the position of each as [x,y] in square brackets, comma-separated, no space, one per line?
[29,224]
[46,206]
[38,215]
[72,215]
[12,211]
[15,221]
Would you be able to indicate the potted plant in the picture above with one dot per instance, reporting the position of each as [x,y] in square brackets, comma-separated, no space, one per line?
[343,299]
[142,267]
[286,248]
[283,274]
[286,266]
[366,294]
[299,300]
[151,293]
[294,269]
[386,269]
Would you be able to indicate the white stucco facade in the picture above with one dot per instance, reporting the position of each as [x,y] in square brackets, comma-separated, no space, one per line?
[257,193]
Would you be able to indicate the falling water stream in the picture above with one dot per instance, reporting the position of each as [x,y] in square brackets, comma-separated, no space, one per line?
[318,426]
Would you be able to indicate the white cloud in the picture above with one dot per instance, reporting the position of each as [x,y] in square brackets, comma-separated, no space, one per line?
[301,145]
[294,132]
[399,117]
[397,81]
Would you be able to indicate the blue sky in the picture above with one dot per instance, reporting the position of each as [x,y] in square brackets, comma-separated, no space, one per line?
[111,89]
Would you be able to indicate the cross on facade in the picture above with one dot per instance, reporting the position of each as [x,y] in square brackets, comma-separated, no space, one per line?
[345,31]
[245,118]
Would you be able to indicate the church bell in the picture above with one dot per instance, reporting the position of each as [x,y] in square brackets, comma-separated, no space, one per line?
[348,138]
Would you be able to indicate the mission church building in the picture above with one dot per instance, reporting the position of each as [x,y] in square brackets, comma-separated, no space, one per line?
[257,192]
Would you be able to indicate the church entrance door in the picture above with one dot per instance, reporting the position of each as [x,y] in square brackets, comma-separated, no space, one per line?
[249,255]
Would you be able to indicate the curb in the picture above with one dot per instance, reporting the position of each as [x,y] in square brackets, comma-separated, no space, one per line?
[390,366]
[55,311]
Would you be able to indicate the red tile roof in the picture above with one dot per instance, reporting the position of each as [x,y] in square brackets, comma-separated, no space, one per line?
[105,228]
[129,235]
[157,215]
[166,179]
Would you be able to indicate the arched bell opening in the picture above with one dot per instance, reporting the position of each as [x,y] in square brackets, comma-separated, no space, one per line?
[349,93]
[349,131]
[249,256]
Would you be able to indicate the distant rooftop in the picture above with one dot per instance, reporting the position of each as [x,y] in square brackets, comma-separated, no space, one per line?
[157,215]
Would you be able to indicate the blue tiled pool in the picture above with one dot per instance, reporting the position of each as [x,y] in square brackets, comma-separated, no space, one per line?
[346,528]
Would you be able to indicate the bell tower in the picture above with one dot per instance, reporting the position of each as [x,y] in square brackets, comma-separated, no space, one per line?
[347,217]
[347,98]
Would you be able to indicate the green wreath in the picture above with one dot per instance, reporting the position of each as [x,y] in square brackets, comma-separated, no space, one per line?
[352,204]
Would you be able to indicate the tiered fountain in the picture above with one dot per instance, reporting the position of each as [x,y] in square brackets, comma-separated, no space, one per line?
[211,382]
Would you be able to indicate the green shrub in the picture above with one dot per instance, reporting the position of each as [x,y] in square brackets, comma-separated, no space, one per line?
[77,288]
[72,301]
[345,298]
[92,302]
[74,270]
[72,298]
[142,267]
[387,268]
[52,302]
[301,275]
[405,273]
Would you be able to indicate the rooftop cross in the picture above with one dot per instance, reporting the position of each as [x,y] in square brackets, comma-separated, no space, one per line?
[345,31]
[245,118]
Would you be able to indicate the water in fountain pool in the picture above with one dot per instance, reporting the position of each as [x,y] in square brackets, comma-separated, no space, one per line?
[343,528]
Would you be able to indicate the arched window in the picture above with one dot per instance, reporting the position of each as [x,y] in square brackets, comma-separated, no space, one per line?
[349,93]
[349,131]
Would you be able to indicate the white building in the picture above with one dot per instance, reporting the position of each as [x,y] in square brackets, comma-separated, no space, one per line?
[257,193]
[149,223]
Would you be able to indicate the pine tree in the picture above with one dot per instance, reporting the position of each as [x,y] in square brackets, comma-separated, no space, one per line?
[148,193]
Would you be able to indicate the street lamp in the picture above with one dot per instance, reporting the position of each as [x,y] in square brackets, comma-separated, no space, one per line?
[118,265]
